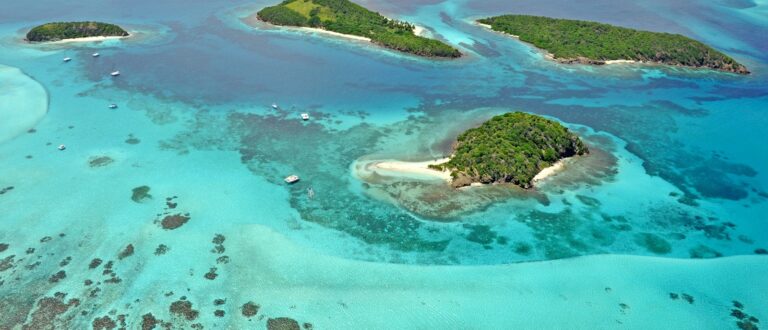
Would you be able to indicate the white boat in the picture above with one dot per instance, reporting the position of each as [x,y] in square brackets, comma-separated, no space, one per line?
[305,116]
[292,179]
[274,106]
[67,59]
[62,147]
[115,73]
[113,106]
[95,54]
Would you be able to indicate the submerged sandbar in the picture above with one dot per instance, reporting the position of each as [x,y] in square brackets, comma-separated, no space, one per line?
[23,102]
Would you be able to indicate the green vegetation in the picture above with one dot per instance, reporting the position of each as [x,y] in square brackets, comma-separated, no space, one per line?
[512,147]
[70,30]
[573,41]
[345,17]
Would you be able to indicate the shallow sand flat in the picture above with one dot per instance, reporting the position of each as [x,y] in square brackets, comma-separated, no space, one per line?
[23,102]
[585,292]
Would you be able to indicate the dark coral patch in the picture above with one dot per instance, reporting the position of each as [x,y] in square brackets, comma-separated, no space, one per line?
[250,309]
[132,139]
[140,193]
[127,252]
[703,252]
[48,310]
[171,222]
[211,274]
[282,323]
[60,275]
[184,308]
[653,243]
[5,190]
[94,263]
[3,247]
[148,321]
[6,263]
[161,249]
[105,323]
[100,161]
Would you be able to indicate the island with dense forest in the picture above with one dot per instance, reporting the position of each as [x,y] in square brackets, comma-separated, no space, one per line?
[345,17]
[510,148]
[74,30]
[574,41]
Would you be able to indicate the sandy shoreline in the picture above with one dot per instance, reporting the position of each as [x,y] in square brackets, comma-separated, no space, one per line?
[89,39]
[326,32]
[395,167]
[419,31]
[621,62]
[551,56]
[253,19]
[421,168]
[550,171]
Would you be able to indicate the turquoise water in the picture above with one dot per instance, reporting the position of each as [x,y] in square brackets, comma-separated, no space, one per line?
[672,199]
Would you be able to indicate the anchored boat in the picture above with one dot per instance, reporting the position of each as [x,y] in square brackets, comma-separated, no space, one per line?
[292,179]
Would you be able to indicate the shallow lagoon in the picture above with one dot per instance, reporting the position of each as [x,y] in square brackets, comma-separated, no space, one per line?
[680,175]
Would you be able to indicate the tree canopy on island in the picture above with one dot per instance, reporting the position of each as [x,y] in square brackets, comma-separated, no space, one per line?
[592,42]
[70,30]
[512,147]
[345,17]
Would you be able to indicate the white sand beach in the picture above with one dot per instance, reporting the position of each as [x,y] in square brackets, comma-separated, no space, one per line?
[550,171]
[89,39]
[413,168]
[621,62]
[419,31]
[396,167]
[326,32]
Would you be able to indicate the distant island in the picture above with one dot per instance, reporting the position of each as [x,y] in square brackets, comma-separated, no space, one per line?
[73,30]
[345,17]
[510,148]
[573,41]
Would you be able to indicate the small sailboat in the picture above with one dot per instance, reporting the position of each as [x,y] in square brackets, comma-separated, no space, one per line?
[113,106]
[95,54]
[292,179]
[62,147]
[274,106]
[115,73]
[67,59]
[305,116]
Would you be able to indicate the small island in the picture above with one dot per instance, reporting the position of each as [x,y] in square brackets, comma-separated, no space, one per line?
[74,30]
[574,41]
[510,148]
[345,17]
